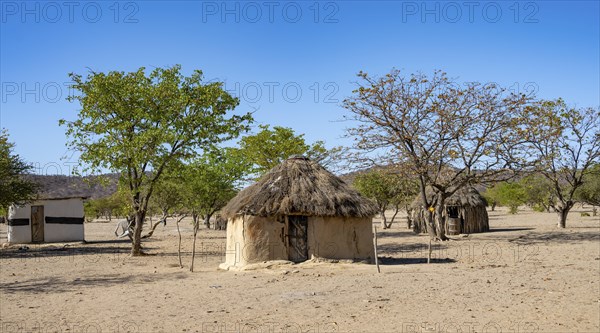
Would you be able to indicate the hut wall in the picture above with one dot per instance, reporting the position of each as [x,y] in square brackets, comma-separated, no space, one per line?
[252,239]
[340,238]
[18,231]
[63,221]
[475,219]
[419,221]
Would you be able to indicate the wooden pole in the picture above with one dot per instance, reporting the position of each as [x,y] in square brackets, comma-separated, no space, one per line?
[375,245]
[429,251]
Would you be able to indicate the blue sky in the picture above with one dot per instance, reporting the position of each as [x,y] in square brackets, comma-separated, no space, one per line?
[293,62]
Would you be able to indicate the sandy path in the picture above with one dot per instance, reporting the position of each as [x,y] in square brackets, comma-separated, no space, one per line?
[526,276]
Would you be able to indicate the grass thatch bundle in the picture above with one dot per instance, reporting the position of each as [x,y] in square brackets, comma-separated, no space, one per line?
[299,186]
[468,204]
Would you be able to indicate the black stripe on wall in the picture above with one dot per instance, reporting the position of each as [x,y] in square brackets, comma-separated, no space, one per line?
[64,220]
[14,222]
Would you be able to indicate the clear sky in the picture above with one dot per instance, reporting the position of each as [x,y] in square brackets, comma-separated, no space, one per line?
[293,62]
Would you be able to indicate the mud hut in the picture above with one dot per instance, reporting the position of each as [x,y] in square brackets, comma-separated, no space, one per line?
[465,213]
[296,212]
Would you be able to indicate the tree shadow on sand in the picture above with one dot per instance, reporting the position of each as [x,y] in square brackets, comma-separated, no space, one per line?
[395,234]
[26,251]
[414,253]
[66,284]
[408,248]
[557,237]
[390,261]
[509,229]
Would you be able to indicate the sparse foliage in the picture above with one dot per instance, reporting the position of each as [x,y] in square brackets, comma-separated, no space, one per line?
[538,192]
[450,135]
[389,189]
[115,205]
[566,143]
[589,192]
[14,187]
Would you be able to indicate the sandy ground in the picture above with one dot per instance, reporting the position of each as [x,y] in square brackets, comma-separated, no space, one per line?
[524,276]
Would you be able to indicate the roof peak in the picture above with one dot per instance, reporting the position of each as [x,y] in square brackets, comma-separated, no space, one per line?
[298,157]
[299,186]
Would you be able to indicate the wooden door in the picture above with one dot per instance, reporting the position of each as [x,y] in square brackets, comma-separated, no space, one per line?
[298,238]
[37,224]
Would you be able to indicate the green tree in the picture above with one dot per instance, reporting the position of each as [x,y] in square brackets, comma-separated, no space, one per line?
[538,192]
[91,210]
[511,195]
[390,190]
[269,147]
[589,192]
[451,135]
[169,197]
[565,142]
[491,196]
[137,125]
[210,182]
[114,205]
[14,187]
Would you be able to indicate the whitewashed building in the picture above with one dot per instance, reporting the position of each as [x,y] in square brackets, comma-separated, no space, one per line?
[53,219]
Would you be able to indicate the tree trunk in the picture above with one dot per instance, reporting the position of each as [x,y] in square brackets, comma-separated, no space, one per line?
[196,227]
[594,211]
[493,205]
[136,249]
[194,248]
[384,224]
[408,218]
[431,231]
[430,223]
[207,222]
[389,225]
[440,220]
[430,226]
[179,244]
[194,219]
[429,251]
[153,227]
[562,217]
[563,210]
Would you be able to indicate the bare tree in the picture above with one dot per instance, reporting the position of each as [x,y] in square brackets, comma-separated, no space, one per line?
[566,143]
[450,135]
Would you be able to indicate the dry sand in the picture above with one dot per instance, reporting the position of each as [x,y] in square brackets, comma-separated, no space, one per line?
[525,276]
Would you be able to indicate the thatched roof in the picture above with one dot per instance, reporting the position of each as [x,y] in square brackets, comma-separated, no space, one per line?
[299,186]
[464,197]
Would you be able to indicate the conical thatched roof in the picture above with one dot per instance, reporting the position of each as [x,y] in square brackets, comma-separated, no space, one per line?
[464,197]
[299,186]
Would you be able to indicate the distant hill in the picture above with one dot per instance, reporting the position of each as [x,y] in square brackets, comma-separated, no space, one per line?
[60,186]
[351,176]
[92,187]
